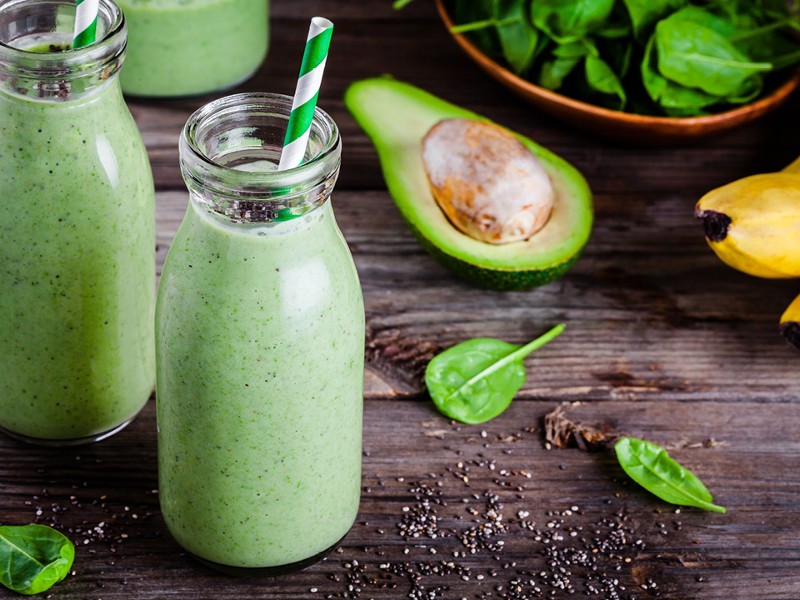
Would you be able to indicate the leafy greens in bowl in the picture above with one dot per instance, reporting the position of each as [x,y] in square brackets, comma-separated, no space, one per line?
[669,69]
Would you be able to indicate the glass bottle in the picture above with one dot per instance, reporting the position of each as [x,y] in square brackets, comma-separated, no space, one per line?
[260,347]
[77,231]
[187,48]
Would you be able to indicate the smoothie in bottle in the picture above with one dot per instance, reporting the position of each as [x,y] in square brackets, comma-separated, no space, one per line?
[77,231]
[260,345]
[191,47]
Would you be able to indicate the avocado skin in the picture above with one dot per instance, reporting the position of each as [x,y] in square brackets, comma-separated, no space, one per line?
[493,279]
[379,103]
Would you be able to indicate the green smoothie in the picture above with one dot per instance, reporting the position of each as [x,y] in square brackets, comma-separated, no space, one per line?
[77,239]
[190,47]
[260,345]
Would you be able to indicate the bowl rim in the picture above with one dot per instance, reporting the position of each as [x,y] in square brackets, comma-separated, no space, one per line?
[776,96]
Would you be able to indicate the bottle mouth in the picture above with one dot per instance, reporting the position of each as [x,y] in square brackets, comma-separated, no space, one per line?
[28,28]
[229,153]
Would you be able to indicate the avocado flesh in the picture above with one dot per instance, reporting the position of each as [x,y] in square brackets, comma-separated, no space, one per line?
[396,116]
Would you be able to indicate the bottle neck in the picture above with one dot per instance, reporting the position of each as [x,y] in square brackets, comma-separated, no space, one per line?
[284,207]
[317,222]
[229,152]
[37,61]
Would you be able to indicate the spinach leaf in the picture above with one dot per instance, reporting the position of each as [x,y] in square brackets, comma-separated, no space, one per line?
[644,13]
[476,19]
[569,20]
[476,380]
[576,49]
[785,60]
[614,31]
[620,57]
[723,25]
[475,10]
[768,43]
[693,56]
[616,24]
[518,38]
[565,58]
[601,78]
[749,90]
[33,558]
[762,10]
[554,72]
[674,98]
[651,467]
[698,57]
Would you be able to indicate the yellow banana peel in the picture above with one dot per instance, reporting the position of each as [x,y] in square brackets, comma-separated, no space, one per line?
[753,224]
[790,323]
[794,167]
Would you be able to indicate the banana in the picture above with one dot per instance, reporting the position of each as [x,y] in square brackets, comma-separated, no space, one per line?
[794,167]
[753,224]
[790,323]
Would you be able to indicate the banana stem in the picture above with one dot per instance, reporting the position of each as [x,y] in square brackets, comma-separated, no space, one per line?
[715,224]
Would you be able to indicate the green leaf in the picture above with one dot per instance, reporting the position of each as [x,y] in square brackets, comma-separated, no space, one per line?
[577,49]
[474,26]
[674,98]
[33,558]
[651,467]
[518,38]
[565,58]
[569,20]
[476,380]
[644,13]
[722,24]
[474,10]
[768,43]
[601,78]
[698,57]
[476,18]
[618,55]
[555,71]
[708,54]
[748,92]
[614,31]
[780,62]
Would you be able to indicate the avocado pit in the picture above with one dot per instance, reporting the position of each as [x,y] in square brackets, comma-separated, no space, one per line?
[488,184]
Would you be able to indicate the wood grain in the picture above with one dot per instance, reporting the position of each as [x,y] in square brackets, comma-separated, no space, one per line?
[663,342]
[710,557]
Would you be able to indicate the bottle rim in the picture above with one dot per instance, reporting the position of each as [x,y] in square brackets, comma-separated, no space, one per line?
[103,58]
[203,171]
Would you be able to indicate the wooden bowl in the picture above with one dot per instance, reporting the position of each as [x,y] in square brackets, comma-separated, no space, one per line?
[617,125]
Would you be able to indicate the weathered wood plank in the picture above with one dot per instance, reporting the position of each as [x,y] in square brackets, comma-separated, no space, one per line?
[695,555]
[663,342]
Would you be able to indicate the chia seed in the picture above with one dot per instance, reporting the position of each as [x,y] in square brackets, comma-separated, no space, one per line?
[421,520]
[565,554]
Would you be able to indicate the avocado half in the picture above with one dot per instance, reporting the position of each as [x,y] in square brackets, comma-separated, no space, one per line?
[396,116]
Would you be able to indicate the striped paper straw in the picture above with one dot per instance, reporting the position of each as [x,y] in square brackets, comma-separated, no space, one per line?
[85,22]
[306,93]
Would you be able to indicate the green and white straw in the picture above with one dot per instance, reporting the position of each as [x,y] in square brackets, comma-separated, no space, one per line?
[306,93]
[85,22]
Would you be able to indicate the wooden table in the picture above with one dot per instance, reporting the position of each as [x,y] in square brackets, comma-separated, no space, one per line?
[663,342]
